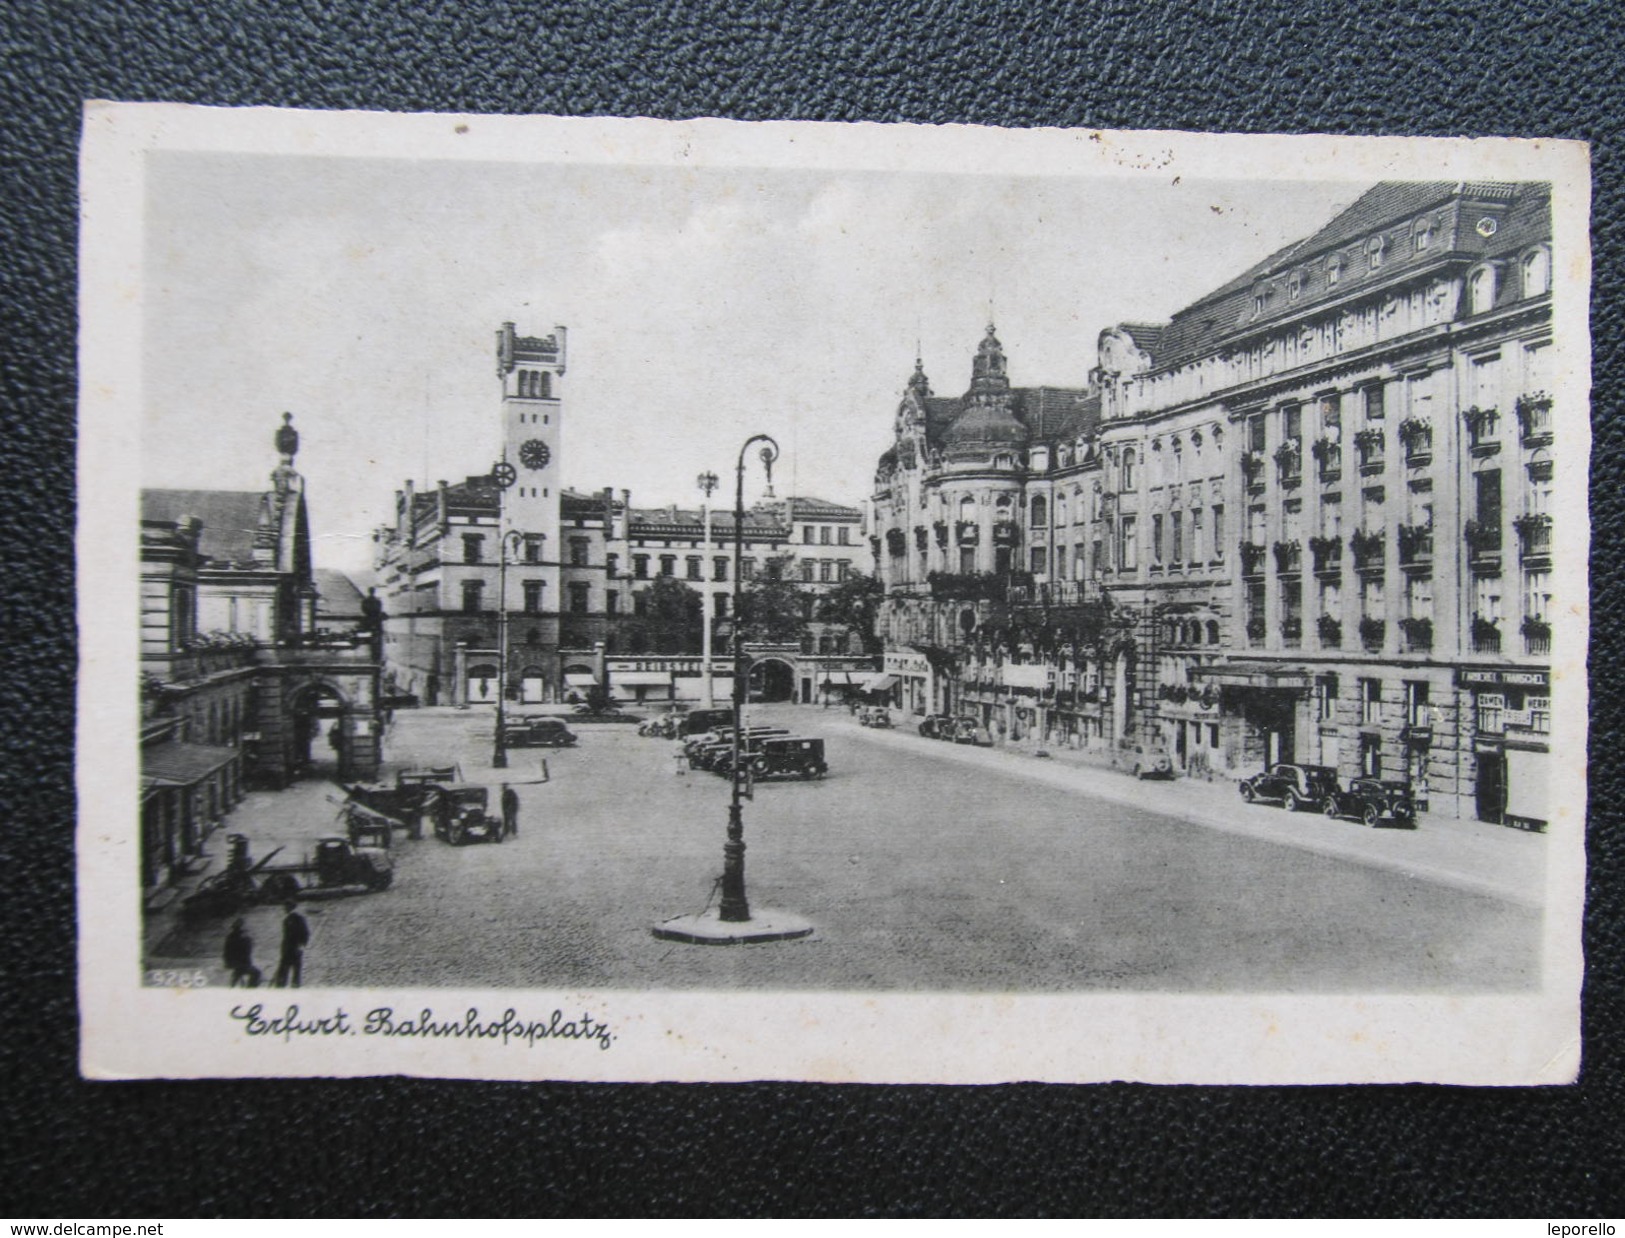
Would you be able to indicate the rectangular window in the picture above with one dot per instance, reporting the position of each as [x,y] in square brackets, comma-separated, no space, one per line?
[1258,526]
[1176,537]
[640,567]
[1257,433]
[1291,422]
[668,565]
[472,590]
[1487,598]
[1331,516]
[578,552]
[823,535]
[1416,702]
[720,609]
[696,567]
[612,566]
[1218,531]
[1098,551]
[612,602]
[1325,698]
[1370,702]
[807,570]
[826,570]
[719,568]
[533,550]
[967,560]
[1156,538]
[747,569]
[807,535]
[1331,599]
[1331,412]
[1126,557]
[1537,595]
[1371,756]
[1080,562]
[1540,713]
[533,596]
[845,538]
[1487,382]
[1036,561]
[473,548]
[1371,600]
[1373,403]
[843,569]
[640,602]
[1292,521]
[1487,495]
[579,597]
[1196,535]
[1419,597]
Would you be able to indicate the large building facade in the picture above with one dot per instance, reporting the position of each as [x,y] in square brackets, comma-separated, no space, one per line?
[1308,518]
[575,573]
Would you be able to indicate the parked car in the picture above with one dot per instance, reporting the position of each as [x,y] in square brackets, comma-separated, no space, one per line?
[937,726]
[875,716]
[1153,761]
[537,733]
[1297,788]
[465,816]
[793,756]
[1373,801]
[697,720]
[970,731]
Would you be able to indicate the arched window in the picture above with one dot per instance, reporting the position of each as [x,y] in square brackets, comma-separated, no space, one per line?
[1422,234]
[1060,510]
[967,508]
[1481,290]
[1537,272]
[1040,516]
[1127,482]
[1373,253]
[1213,631]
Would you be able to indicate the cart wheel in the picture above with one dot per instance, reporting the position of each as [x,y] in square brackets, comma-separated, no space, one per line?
[1373,816]
[458,835]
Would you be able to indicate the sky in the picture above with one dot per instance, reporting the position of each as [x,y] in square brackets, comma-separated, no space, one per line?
[703,306]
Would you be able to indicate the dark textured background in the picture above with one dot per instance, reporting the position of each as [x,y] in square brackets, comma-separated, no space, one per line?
[73,1149]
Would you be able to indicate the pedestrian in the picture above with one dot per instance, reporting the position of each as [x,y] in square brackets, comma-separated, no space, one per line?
[239,957]
[510,811]
[295,937]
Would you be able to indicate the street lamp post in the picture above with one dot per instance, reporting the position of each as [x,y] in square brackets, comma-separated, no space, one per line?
[503,475]
[733,921]
[707,483]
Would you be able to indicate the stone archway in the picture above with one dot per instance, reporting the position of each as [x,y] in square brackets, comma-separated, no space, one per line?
[317,712]
[772,680]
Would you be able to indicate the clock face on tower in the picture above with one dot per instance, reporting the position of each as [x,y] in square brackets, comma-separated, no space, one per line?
[533,454]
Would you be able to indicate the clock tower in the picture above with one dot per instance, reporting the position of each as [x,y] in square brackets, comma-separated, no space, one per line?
[531,370]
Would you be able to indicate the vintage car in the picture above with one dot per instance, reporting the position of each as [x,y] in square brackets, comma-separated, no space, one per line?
[537,733]
[875,716]
[697,721]
[788,756]
[1152,761]
[1373,801]
[970,731]
[465,817]
[938,726]
[1297,788]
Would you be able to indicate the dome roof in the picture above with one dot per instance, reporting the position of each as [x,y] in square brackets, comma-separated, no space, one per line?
[986,423]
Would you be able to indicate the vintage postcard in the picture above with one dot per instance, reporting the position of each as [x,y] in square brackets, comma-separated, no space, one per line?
[638,600]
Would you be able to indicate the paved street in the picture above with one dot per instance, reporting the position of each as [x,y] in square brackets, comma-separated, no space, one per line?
[924,866]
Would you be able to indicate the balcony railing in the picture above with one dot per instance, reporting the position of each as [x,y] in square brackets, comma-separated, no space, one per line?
[1485,635]
[1372,633]
[1288,558]
[1331,632]
[1006,531]
[1056,593]
[1534,536]
[1252,467]
[1368,550]
[1328,455]
[1369,446]
[1327,553]
[1292,631]
[1416,437]
[1483,543]
[1483,429]
[1418,634]
[967,533]
[1415,545]
[1289,462]
[1537,637]
[1534,412]
[1252,558]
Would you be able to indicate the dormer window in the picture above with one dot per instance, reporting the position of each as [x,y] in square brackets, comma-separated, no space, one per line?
[1334,270]
[1373,253]
[1537,272]
[1422,235]
[1294,286]
[1261,296]
[1481,290]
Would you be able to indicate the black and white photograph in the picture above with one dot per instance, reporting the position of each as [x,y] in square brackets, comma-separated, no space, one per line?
[615,599]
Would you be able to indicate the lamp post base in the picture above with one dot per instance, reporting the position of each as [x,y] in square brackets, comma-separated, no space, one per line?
[710,929]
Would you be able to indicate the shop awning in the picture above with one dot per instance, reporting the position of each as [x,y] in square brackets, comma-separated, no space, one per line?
[1259,675]
[581,681]
[641,679]
[878,683]
[176,764]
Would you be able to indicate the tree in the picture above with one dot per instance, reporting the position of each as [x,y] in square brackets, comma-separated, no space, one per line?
[772,608]
[855,603]
[673,616]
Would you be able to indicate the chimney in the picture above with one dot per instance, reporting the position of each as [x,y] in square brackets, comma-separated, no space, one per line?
[626,513]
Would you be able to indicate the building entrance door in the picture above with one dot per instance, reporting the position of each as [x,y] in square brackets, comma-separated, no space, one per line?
[1492,786]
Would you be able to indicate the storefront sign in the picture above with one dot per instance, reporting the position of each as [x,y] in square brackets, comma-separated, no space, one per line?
[906,664]
[1484,678]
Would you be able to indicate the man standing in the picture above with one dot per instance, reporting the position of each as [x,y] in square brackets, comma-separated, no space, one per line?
[295,937]
[239,957]
[510,811]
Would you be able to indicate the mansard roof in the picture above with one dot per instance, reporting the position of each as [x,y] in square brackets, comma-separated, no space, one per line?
[236,523]
[1523,216]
